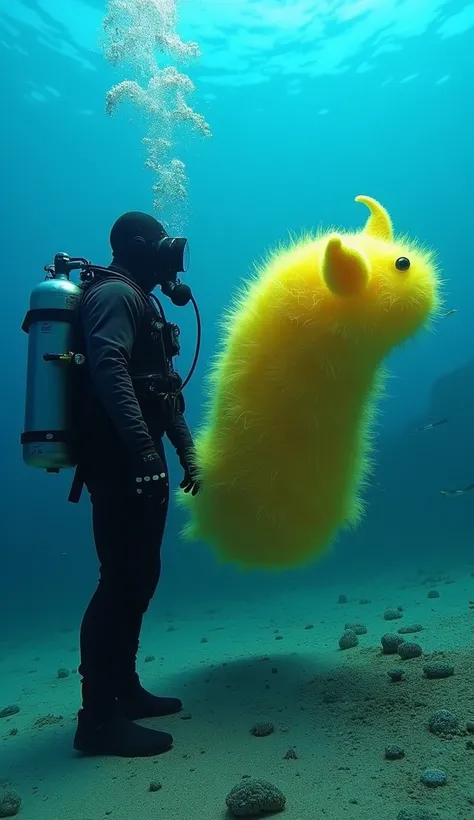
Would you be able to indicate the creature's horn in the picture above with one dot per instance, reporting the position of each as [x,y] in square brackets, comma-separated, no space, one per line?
[379,224]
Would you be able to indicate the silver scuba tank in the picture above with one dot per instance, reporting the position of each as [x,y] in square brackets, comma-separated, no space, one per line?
[47,437]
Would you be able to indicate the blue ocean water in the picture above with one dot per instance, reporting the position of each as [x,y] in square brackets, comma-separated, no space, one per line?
[309,104]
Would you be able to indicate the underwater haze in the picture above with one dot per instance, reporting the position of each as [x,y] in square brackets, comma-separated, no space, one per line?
[298,107]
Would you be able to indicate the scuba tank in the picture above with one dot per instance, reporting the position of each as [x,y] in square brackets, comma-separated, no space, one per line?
[47,437]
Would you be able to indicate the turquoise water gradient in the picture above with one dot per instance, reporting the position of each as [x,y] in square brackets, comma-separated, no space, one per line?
[308,109]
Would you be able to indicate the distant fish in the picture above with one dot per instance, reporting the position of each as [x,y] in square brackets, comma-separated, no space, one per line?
[450,313]
[432,425]
[461,491]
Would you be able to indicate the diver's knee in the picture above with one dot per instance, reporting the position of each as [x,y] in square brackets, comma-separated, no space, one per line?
[130,590]
[141,590]
[146,594]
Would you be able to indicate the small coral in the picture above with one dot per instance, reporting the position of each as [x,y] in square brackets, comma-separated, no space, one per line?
[348,640]
[416,814]
[342,599]
[392,614]
[396,675]
[290,755]
[433,778]
[262,729]
[63,673]
[409,628]
[253,798]
[8,711]
[438,670]
[390,643]
[443,722]
[48,720]
[359,629]
[433,593]
[409,650]
[10,802]
[394,753]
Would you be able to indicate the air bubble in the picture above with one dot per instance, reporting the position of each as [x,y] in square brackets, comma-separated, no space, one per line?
[136,33]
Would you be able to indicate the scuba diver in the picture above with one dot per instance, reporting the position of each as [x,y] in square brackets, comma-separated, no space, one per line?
[129,397]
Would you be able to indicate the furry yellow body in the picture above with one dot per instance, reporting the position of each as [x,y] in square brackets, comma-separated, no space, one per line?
[286,445]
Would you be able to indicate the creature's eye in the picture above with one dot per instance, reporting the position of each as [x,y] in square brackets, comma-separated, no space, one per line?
[402,263]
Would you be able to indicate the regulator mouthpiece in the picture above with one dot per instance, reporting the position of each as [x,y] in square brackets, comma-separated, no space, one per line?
[179,294]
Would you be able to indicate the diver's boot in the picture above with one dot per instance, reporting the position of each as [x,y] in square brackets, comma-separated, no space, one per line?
[139,704]
[118,736]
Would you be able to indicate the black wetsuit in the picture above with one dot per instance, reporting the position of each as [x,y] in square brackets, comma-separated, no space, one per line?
[120,414]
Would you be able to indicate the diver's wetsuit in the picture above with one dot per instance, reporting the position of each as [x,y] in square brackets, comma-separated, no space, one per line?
[123,341]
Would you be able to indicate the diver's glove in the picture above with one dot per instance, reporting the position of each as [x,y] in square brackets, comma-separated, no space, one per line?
[149,476]
[190,483]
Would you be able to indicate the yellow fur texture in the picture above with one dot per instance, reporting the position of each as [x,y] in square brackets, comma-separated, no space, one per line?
[286,444]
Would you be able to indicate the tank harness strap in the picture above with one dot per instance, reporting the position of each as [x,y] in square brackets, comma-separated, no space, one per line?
[47,315]
[37,436]
[76,487]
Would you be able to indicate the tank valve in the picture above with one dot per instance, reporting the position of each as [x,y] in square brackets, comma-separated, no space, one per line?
[69,358]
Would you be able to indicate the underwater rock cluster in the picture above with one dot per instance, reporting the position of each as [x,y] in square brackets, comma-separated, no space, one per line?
[372,695]
[443,723]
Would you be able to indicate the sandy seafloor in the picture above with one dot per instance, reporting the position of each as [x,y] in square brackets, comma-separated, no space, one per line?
[337,709]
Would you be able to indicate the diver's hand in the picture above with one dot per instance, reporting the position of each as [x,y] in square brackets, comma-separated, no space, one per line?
[190,482]
[149,476]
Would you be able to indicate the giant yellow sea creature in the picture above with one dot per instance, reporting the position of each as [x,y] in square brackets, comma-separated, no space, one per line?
[285,448]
